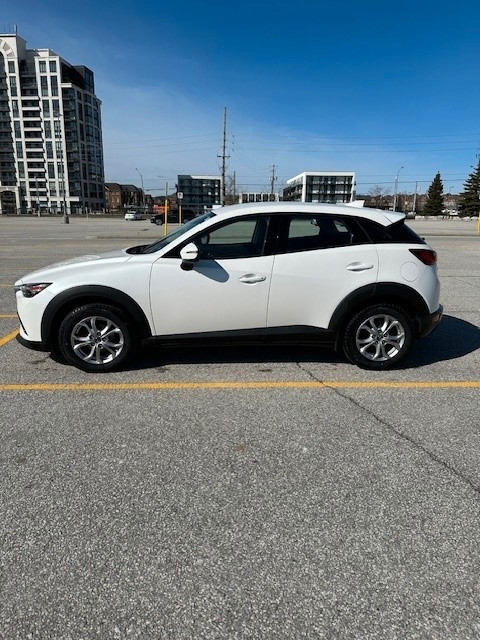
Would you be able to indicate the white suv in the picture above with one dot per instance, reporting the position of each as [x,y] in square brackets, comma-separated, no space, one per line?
[359,279]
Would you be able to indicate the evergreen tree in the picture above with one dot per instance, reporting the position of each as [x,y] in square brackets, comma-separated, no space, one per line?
[469,204]
[434,203]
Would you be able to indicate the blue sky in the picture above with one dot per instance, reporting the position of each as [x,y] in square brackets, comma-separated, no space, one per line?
[308,85]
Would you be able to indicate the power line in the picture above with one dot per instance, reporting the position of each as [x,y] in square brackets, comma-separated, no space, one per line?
[302,136]
[200,135]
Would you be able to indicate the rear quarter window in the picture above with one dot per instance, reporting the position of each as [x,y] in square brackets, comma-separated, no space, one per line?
[398,233]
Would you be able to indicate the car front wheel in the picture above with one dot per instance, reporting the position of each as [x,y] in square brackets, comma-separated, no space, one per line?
[95,338]
[378,337]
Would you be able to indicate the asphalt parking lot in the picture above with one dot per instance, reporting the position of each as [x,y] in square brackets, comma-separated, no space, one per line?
[240,493]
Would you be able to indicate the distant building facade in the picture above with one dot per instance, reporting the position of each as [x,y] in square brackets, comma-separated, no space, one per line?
[244,198]
[199,193]
[51,151]
[321,186]
[120,196]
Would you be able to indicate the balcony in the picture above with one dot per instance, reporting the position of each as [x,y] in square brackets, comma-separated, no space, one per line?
[27,84]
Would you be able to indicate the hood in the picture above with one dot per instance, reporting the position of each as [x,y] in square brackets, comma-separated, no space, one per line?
[120,255]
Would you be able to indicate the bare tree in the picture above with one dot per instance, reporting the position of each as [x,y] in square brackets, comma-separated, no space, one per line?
[377,197]
[230,190]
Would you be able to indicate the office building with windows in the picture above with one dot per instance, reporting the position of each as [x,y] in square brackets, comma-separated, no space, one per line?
[321,186]
[199,193]
[51,152]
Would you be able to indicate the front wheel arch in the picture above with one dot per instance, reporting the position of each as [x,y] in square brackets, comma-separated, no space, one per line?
[64,302]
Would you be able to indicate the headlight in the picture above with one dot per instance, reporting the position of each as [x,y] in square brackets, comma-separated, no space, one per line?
[30,290]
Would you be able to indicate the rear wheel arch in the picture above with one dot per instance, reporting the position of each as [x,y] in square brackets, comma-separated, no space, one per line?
[68,300]
[396,294]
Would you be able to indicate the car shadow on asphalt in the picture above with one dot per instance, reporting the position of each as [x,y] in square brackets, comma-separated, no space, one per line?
[157,355]
[453,338]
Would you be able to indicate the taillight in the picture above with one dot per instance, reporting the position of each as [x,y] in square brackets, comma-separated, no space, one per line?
[427,256]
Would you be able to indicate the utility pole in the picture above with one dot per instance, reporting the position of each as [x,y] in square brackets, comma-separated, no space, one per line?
[224,156]
[234,186]
[273,179]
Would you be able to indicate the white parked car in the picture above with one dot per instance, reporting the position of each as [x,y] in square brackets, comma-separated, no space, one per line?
[133,215]
[358,279]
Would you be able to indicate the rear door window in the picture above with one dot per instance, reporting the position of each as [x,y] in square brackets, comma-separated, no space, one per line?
[309,232]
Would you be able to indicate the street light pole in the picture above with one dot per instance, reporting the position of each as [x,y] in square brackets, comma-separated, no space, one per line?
[143,191]
[414,209]
[395,190]
[37,201]
[165,222]
[58,137]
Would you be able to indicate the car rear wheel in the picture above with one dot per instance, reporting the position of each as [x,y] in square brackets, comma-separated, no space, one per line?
[378,337]
[96,338]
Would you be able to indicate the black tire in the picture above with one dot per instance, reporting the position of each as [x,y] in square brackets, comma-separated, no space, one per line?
[96,338]
[378,337]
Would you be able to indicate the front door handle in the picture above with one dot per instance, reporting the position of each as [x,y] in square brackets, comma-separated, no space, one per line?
[359,266]
[251,278]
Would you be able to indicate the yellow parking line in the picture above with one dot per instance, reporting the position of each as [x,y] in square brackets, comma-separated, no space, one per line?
[8,337]
[163,386]
[8,315]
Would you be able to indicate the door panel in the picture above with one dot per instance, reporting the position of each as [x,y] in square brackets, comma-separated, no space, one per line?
[307,286]
[216,295]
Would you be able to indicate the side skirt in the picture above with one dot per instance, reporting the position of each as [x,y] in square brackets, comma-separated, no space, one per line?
[273,335]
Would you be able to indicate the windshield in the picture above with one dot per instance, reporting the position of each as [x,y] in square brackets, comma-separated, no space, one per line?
[173,235]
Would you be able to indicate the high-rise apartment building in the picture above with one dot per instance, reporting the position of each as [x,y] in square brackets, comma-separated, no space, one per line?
[321,186]
[51,153]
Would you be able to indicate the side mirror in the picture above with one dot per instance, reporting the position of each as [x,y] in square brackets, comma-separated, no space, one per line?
[189,255]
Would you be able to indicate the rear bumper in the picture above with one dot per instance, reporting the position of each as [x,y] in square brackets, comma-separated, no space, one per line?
[429,323]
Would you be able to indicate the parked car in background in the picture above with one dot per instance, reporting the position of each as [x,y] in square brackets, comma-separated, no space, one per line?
[360,280]
[157,219]
[133,215]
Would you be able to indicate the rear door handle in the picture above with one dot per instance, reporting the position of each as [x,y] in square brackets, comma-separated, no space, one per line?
[251,278]
[359,266]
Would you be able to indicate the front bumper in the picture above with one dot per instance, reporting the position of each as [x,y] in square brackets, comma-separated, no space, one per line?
[429,323]
[30,344]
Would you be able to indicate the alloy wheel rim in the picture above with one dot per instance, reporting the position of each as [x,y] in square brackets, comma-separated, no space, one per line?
[380,338]
[97,340]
